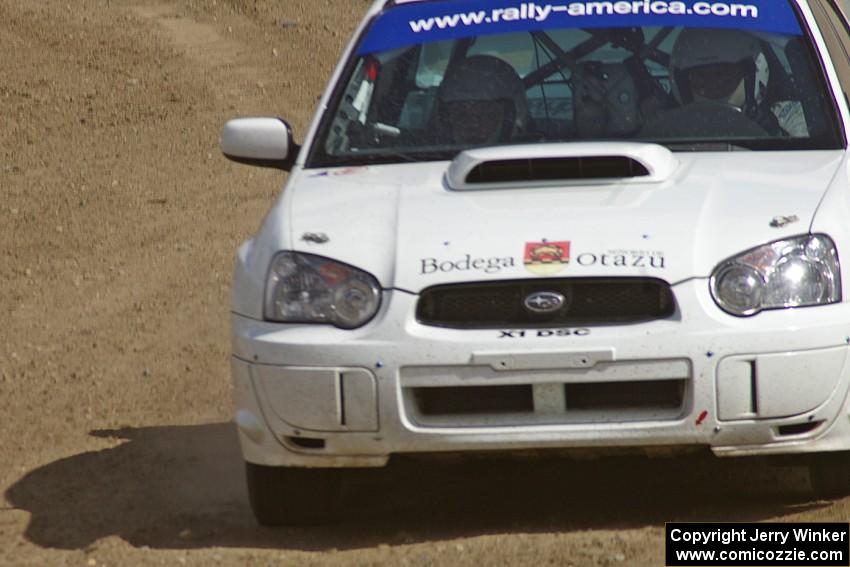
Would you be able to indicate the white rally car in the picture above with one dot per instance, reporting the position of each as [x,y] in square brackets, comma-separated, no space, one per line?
[529,225]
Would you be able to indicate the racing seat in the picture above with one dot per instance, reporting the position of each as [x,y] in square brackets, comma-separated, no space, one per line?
[605,101]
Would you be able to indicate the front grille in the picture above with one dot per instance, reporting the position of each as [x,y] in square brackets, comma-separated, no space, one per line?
[487,305]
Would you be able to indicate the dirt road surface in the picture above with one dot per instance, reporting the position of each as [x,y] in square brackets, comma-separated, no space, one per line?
[118,222]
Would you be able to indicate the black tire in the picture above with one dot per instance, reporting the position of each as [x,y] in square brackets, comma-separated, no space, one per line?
[288,496]
[830,474]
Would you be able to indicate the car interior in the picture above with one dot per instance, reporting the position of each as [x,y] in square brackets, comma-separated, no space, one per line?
[579,84]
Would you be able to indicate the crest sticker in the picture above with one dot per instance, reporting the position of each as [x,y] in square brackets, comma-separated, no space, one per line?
[546,258]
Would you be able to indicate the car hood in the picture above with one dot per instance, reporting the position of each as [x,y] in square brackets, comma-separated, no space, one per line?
[404,224]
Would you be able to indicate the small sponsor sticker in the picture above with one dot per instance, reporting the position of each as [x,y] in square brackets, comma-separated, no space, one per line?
[340,172]
[546,258]
[348,171]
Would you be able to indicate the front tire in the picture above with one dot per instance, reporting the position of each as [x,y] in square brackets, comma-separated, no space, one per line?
[830,474]
[288,496]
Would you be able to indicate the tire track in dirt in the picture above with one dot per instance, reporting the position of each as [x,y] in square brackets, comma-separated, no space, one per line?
[222,59]
[200,41]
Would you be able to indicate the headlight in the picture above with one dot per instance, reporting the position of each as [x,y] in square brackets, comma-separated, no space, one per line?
[303,288]
[795,272]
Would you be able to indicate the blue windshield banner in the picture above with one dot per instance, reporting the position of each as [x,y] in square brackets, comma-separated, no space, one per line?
[436,20]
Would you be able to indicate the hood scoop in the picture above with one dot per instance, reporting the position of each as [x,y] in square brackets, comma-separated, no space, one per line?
[547,165]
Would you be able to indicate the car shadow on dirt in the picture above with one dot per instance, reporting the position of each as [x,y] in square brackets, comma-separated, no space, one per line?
[183,487]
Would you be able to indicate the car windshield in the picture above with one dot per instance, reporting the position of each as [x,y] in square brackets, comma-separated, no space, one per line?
[430,79]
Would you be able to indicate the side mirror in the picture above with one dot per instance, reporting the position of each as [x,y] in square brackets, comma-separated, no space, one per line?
[264,142]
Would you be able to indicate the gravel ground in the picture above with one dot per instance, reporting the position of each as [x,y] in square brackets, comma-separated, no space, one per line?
[118,223]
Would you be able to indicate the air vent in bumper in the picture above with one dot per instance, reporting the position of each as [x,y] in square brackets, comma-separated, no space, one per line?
[609,392]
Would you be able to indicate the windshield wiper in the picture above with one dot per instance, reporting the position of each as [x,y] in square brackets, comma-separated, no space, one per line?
[705,147]
[389,156]
[400,155]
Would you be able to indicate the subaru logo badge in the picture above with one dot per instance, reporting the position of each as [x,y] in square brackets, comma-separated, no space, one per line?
[544,302]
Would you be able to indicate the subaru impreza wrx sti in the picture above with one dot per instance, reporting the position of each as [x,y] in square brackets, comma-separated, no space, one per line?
[552,225]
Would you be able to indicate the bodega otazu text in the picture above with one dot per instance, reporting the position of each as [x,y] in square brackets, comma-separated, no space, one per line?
[623,258]
[650,259]
[467,263]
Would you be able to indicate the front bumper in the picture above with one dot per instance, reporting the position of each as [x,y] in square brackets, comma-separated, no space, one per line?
[318,396]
